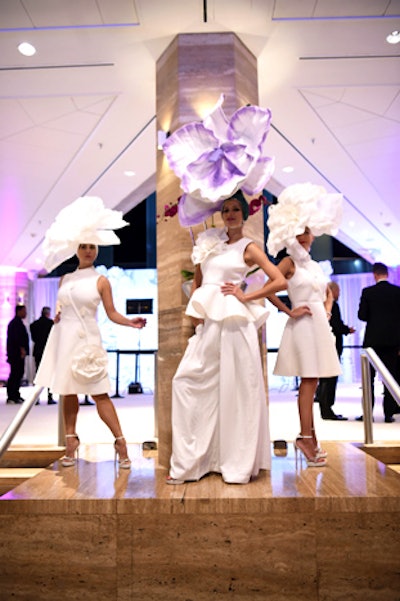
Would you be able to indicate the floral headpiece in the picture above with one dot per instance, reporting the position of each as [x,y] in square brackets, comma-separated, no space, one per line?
[217,157]
[300,206]
[86,220]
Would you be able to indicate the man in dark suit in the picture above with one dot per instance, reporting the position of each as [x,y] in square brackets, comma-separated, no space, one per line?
[326,390]
[380,308]
[40,330]
[17,349]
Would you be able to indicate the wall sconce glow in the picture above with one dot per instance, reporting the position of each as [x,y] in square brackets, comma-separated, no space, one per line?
[393,38]
[129,173]
[161,138]
[27,49]
[288,169]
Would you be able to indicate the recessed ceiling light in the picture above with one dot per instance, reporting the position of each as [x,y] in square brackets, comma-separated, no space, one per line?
[394,37]
[27,49]
[288,169]
[129,173]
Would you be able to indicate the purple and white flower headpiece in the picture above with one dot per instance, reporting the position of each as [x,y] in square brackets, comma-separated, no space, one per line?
[217,157]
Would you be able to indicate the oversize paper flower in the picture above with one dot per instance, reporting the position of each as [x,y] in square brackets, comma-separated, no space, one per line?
[217,157]
[300,206]
[211,242]
[84,221]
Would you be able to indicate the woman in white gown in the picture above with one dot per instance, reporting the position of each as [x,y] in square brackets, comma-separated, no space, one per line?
[219,411]
[307,348]
[74,361]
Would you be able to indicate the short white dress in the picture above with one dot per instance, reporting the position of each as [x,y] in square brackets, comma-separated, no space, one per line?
[219,409]
[75,333]
[308,347]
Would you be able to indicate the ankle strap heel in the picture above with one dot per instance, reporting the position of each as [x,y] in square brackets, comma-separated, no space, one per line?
[124,463]
[312,459]
[70,460]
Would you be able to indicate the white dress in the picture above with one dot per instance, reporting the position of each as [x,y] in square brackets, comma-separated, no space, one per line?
[308,347]
[219,410]
[74,333]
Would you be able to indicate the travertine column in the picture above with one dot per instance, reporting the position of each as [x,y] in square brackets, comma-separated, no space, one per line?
[191,74]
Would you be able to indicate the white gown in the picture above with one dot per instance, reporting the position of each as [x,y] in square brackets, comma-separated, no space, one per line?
[219,410]
[72,334]
[308,347]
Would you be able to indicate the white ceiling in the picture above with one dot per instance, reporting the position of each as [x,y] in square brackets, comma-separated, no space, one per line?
[81,111]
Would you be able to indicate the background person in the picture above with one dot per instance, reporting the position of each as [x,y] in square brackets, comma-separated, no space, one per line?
[380,308]
[17,350]
[326,390]
[40,330]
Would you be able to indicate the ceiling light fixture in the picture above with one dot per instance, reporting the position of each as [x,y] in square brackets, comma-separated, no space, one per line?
[27,49]
[394,37]
[288,169]
[129,173]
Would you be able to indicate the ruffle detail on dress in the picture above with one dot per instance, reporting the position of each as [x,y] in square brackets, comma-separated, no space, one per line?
[211,242]
[90,364]
[209,302]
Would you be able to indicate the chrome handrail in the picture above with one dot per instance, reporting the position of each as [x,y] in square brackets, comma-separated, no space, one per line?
[370,357]
[18,420]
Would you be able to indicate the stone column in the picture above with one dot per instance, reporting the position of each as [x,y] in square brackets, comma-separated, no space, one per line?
[191,74]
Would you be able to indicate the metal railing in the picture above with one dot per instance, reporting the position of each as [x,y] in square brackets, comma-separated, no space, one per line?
[369,357]
[18,420]
[10,433]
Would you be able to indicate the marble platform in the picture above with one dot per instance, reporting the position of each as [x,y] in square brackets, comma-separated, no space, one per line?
[95,533]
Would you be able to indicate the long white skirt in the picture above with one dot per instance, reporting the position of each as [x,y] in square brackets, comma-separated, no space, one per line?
[219,410]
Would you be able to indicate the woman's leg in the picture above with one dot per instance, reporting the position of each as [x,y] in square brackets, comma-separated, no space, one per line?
[70,413]
[107,412]
[305,403]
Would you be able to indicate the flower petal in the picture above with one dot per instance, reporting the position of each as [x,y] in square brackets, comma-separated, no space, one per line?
[217,122]
[249,126]
[193,210]
[187,144]
[259,175]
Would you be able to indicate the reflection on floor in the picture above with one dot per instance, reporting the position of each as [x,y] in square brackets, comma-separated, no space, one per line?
[105,534]
[136,412]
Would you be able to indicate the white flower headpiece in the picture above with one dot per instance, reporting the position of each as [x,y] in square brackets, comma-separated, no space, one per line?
[300,206]
[217,157]
[84,221]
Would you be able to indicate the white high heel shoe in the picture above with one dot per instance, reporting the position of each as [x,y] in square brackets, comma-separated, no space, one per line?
[125,463]
[311,460]
[318,451]
[67,460]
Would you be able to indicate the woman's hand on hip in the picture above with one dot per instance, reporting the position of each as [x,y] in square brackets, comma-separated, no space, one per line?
[300,311]
[234,290]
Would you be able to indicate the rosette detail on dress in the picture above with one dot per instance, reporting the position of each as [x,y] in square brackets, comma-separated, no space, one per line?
[217,157]
[300,206]
[90,364]
[211,242]
[84,221]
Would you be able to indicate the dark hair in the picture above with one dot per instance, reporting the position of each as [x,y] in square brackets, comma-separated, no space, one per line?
[379,269]
[45,310]
[18,308]
[243,203]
